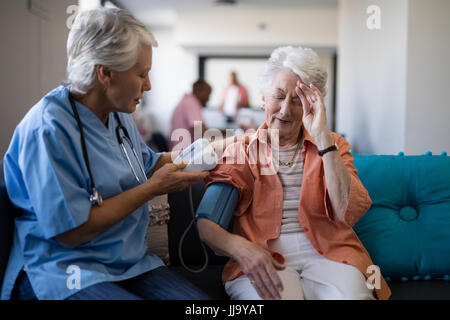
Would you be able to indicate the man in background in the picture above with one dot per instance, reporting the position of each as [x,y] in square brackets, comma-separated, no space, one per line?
[189,110]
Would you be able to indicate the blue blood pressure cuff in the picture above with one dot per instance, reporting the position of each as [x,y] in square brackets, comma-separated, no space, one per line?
[218,204]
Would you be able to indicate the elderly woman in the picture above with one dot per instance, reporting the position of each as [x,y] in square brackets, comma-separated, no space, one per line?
[81,173]
[299,196]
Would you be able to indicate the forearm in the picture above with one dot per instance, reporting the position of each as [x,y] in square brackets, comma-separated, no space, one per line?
[111,212]
[337,177]
[219,240]
[220,145]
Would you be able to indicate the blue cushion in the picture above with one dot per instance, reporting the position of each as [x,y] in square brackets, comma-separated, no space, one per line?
[407,229]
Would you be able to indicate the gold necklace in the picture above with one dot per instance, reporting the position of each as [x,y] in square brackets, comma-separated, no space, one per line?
[291,162]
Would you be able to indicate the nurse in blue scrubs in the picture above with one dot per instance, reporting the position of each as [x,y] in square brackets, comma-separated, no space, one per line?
[80,171]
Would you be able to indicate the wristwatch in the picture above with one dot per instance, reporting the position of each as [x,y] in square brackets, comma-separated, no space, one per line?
[331,148]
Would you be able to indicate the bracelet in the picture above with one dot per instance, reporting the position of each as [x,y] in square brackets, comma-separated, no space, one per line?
[331,148]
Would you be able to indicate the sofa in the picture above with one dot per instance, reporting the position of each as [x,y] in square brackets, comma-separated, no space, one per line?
[406,230]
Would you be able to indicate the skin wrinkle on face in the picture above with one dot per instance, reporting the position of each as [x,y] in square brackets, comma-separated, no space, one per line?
[128,86]
[119,91]
[283,103]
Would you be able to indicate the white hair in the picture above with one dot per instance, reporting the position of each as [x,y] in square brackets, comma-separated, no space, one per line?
[304,62]
[105,36]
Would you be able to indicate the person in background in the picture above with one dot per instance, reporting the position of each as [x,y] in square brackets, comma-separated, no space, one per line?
[188,111]
[234,97]
[146,126]
[143,124]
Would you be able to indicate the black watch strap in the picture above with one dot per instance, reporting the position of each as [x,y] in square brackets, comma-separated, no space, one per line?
[331,148]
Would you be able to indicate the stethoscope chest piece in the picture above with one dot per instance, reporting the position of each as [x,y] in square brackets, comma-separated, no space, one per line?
[96,198]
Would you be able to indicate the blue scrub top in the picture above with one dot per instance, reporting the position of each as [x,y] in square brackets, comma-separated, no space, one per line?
[46,176]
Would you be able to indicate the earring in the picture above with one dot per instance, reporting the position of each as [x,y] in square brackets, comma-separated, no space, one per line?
[262,107]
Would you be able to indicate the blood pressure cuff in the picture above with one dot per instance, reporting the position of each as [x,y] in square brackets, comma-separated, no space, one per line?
[218,204]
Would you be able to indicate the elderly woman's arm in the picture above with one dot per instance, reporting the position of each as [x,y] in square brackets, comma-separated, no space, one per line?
[337,178]
[219,146]
[256,263]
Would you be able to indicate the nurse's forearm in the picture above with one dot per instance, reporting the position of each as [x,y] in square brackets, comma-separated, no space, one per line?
[111,212]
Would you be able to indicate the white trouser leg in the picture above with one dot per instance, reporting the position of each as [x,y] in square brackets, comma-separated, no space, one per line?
[241,288]
[308,275]
[326,279]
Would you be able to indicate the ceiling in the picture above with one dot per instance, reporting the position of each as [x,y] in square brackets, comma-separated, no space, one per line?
[157,13]
[136,6]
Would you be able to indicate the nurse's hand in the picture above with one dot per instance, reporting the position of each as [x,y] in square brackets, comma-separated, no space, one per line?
[168,179]
[115,209]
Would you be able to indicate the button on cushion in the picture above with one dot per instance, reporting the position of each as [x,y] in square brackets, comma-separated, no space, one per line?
[408,214]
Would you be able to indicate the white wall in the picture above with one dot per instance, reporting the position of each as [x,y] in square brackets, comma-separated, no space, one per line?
[372,76]
[174,70]
[36,59]
[226,31]
[240,26]
[393,92]
[33,58]
[428,89]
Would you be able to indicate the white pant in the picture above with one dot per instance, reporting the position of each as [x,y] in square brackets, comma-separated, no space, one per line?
[308,275]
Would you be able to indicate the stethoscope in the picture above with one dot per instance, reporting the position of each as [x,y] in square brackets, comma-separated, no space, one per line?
[95,197]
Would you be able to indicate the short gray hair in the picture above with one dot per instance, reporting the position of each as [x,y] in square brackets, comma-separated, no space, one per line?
[105,36]
[302,61]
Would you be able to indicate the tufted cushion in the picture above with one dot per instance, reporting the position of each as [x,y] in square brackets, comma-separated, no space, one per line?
[407,229]
[157,236]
